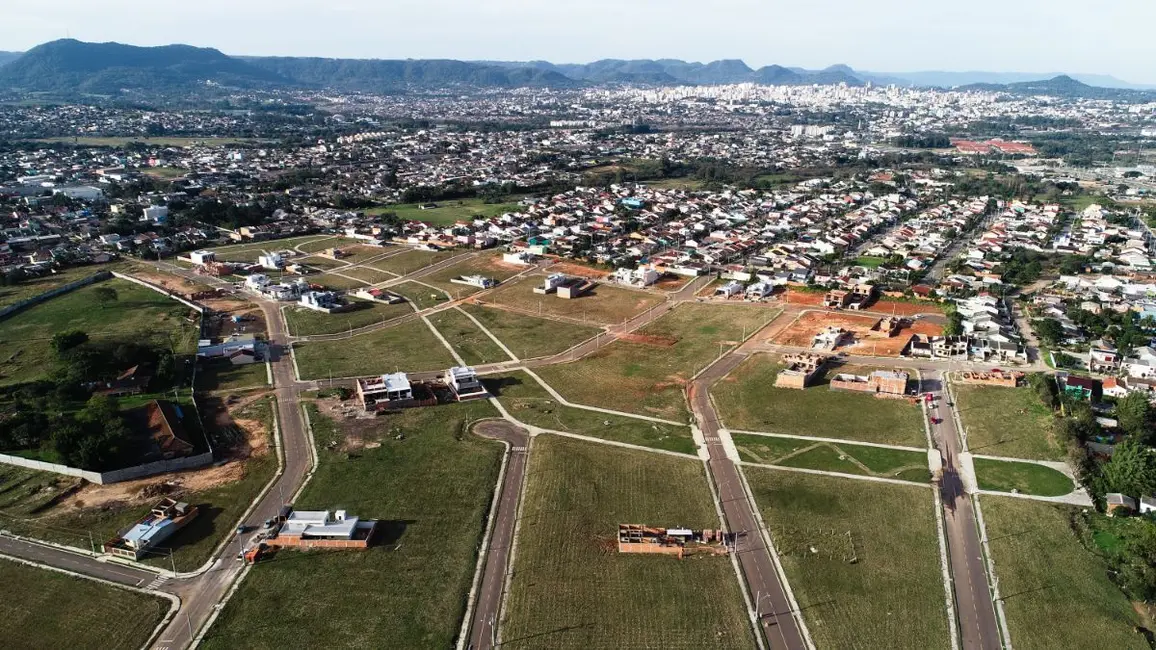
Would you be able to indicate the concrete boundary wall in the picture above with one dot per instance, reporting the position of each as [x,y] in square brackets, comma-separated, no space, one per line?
[52,293]
[116,475]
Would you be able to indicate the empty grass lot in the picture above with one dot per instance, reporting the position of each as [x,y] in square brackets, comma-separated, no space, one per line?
[25,508]
[448,212]
[530,337]
[648,378]
[1056,593]
[488,265]
[1007,422]
[1028,478]
[138,314]
[408,261]
[845,458]
[748,400]
[367,274]
[471,343]
[338,282]
[223,375]
[606,305]
[35,286]
[421,296]
[46,609]
[409,347]
[528,402]
[308,322]
[570,589]
[861,557]
[249,251]
[430,492]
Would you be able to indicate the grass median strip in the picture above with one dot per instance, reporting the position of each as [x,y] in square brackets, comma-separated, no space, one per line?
[1026,478]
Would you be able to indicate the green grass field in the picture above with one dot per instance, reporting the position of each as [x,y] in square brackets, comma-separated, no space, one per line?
[431,492]
[138,314]
[308,322]
[528,336]
[606,305]
[249,251]
[861,557]
[528,402]
[447,212]
[367,274]
[223,375]
[46,609]
[1056,593]
[411,260]
[488,265]
[421,296]
[35,286]
[409,347]
[846,458]
[1007,422]
[648,378]
[869,262]
[570,589]
[26,506]
[748,400]
[1027,478]
[467,340]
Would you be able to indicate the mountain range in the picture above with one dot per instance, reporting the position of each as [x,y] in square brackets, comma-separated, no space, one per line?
[70,66]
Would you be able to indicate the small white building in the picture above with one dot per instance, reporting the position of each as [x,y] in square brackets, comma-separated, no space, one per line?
[272,261]
[257,281]
[729,289]
[1147,504]
[479,281]
[324,301]
[155,214]
[202,257]
[384,392]
[759,290]
[551,283]
[643,276]
[522,258]
[463,382]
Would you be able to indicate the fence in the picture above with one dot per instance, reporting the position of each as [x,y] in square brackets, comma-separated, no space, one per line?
[116,475]
[52,293]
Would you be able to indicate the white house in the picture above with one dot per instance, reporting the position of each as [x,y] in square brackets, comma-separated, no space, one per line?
[257,281]
[729,289]
[202,257]
[464,383]
[155,214]
[643,276]
[272,261]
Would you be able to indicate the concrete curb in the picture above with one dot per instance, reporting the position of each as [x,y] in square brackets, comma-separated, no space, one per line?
[174,601]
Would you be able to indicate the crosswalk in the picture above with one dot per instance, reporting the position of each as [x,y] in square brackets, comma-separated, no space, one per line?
[156,583]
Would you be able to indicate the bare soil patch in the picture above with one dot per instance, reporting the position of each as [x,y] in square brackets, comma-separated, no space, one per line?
[657,341]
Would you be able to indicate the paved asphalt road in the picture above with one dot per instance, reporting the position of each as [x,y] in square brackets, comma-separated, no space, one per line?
[488,610]
[775,619]
[977,621]
[84,564]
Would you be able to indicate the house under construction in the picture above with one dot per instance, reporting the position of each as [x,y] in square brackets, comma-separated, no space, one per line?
[636,538]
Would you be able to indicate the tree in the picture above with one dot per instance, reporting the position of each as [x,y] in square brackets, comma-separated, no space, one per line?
[104,296]
[1049,330]
[1132,470]
[64,341]
[1134,414]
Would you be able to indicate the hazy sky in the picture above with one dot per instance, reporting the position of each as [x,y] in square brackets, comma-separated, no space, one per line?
[1075,36]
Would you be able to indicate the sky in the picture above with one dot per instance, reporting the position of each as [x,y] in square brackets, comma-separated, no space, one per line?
[1072,36]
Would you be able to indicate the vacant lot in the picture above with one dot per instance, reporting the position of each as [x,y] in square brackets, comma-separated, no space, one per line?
[447,212]
[649,377]
[1007,422]
[1056,593]
[223,375]
[138,314]
[30,287]
[862,558]
[491,266]
[471,343]
[367,274]
[421,296]
[801,332]
[606,305]
[527,401]
[530,337]
[846,458]
[430,491]
[571,589]
[409,347]
[46,609]
[308,322]
[1028,478]
[249,251]
[747,399]
[411,260]
[29,500]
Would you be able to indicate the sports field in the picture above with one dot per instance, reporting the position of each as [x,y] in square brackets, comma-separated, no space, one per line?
[862,558]
[46,609]
[606,305]
[1056,593]
[430,491]
[1008,422]
[409,347]
[647,374]
[138,314]
[530,337]
[747,400]
[846,458]
[527,401]
[571,589]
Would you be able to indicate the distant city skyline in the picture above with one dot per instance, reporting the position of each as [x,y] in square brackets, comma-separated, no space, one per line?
[1039,36]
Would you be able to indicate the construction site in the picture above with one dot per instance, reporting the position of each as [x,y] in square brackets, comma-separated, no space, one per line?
[681,542]
[884,336]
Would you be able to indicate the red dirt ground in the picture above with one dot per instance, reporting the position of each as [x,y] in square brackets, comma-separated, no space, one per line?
[578,270]
[657,341]
[884,306]
[800,332]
